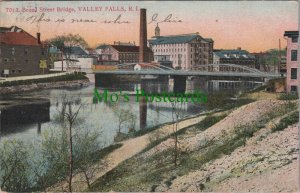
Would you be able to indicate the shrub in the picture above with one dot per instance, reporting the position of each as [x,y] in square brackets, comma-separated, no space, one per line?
[290,119]
[209,121]
[67,77]
[288,96]
[14,166]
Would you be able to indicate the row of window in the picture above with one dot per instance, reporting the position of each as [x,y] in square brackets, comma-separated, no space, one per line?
[168,45]
[26,51]
[128,56]
[170,50]
[11,60]
[14,71]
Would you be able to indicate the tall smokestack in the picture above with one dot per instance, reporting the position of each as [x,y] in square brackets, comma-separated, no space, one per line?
[143,37]
[38,36]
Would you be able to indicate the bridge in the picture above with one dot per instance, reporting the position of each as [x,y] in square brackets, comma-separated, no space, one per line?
[221,70]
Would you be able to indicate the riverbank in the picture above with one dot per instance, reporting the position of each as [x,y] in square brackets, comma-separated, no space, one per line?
[218,153]
[61,81]
[128,149]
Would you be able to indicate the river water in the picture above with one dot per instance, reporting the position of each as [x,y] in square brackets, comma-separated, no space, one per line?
[28,122]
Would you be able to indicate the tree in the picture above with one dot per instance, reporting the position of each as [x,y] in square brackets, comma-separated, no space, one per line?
[271,59]
[124,116]
[14,166]
[85,150]
[66,44]
[176,115]
[71,116]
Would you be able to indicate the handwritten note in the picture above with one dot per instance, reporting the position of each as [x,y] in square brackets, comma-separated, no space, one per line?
[34,15]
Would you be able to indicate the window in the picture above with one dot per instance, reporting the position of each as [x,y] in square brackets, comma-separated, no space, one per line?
[294,55]
[293,88]
[13,51]
[13,71]
[294,39]
[26,51]
[20,71]
[6,59]
[293,73]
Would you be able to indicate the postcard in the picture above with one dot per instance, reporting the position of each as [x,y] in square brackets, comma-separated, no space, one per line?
[149,96]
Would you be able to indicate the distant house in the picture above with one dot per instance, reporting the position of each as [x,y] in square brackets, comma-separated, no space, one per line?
[238,56]
[292,61]
[21,53]
[76,59]
[121,54]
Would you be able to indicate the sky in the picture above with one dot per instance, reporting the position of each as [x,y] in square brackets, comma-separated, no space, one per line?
[252,25]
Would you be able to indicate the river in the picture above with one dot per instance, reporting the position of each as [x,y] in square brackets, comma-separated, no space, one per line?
[28,122]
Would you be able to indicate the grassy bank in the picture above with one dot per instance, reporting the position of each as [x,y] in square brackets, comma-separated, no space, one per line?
[67,77]
[149,173]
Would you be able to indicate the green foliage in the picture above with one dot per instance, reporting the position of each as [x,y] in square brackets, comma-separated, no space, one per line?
[272,56]
[68,77]
[222,101]
[288,96]
[290,119]
[14,166]
[209,121]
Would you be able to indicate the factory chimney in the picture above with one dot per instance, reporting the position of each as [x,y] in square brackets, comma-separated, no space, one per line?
[143,37]
[38,37]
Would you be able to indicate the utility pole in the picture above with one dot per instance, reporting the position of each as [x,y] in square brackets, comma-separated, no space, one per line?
[62,59]
[279,55]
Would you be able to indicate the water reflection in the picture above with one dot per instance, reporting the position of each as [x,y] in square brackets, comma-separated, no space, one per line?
[28,120]
[20,114]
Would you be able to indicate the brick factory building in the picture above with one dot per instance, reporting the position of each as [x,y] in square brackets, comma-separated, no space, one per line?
[238,56]
[119,53]
[21,53]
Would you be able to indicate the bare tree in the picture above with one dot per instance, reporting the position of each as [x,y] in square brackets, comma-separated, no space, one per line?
[67,117]
[88,160]
[176,115]
[71,116]
[66,44]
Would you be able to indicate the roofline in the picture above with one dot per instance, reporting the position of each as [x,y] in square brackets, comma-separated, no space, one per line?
[179,35]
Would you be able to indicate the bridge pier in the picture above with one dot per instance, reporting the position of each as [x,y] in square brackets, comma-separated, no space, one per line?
[179,84]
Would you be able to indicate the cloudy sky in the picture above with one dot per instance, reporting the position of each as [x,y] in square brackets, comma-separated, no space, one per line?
[252,25]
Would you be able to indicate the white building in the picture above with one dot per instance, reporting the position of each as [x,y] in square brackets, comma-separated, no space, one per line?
[186,51]
[78,60]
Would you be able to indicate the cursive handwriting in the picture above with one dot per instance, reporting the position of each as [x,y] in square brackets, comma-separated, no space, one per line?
[43,18]
[38,18]
[168,19]
[117,20]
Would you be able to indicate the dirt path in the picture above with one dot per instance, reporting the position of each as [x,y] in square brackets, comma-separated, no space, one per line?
[129,148]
